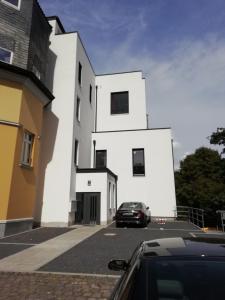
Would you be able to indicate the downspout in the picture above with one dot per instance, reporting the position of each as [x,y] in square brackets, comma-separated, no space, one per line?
[96,106]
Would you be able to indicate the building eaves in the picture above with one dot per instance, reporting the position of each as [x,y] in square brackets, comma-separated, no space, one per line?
[118,73]
[95,170]
[50,18]
[130,130]
[31,76]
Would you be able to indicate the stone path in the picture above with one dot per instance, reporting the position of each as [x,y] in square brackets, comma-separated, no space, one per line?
[40,286]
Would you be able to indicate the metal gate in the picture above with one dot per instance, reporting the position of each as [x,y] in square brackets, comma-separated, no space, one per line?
[88,208]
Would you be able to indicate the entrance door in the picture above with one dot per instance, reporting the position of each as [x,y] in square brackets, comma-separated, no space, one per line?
[88,208]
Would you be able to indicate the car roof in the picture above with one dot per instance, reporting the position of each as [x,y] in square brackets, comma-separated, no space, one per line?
[199,246]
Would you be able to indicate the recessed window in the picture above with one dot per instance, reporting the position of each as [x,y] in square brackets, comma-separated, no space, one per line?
[78,109]
[101,159]
[13,3]
[138,162]
[80,73]
[90,93]
[76,152]
[5,55]
[120,103]
[28,142]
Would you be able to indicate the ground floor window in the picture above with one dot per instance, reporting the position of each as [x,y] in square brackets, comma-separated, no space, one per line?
[27,149]
[138,162]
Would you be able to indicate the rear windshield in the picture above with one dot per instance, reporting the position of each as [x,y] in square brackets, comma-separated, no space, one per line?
[131,205]
[178,279]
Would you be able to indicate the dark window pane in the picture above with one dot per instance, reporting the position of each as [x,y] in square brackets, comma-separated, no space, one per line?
[13,2]
[79,73]
[90,94]
[75,153]
[101,158]
[5,55]
[119,103]
[138,162]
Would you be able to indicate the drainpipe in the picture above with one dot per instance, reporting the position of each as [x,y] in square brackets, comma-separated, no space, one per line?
[96,106]
[94,156]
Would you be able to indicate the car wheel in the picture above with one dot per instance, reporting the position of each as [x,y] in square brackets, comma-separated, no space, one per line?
[118,225]
[145,222]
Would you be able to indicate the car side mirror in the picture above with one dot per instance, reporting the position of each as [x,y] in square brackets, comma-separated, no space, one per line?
[147,207]
[118,265]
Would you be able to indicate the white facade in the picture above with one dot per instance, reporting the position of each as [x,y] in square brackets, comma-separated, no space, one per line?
[155,188]
[94,127]
[135,85]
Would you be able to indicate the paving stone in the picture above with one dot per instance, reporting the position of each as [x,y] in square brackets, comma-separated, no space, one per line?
[41,286]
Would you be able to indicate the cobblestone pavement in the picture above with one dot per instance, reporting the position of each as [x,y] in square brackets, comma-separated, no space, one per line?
[40,286]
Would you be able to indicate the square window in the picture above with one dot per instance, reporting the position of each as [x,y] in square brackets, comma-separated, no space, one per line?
[78,109]
[138,162]
[5,56]
[27,150]
[80,73]
[101,159]
[13,3]
[119,103]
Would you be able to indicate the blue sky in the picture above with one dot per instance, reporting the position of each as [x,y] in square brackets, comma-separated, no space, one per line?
[179,45]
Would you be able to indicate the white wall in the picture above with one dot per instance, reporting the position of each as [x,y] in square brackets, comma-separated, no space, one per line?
[156,188]
[135,85]
[57,189]
[99,184]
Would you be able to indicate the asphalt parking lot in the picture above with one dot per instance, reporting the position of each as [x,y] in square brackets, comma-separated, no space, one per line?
[93,254]
[18,242]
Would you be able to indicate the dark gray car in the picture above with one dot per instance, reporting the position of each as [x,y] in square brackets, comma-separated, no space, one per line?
[132,213]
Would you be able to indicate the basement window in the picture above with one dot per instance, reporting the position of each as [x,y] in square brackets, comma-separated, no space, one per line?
[120,103]
[12,3]
[138,162]
[6,55]
[27,150]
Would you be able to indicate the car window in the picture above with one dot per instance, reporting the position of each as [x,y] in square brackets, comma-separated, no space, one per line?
[167,279]
[131,205]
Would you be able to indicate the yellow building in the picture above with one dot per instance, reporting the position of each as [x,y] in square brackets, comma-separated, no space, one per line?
[22,100]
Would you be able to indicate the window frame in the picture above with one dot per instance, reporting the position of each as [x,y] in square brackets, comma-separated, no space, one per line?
[80,73]
[11,56]
[138,149]
[119,113]
[78,109]
[27,153]
[97,151]
[17,7]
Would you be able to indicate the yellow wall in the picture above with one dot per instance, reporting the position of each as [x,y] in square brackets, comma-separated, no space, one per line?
[17,183]
[10,101]
[8,135]
[24,180]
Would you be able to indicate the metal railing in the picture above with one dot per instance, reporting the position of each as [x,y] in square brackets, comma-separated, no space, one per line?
[191,214]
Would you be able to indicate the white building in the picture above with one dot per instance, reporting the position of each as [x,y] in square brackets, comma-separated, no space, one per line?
[97,151]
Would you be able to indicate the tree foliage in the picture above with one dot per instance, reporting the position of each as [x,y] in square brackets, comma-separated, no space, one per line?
[218,138]
[200,182]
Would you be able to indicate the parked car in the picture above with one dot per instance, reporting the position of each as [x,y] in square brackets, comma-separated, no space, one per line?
[132,213]
[173,268]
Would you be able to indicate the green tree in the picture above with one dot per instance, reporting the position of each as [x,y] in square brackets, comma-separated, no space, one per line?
[200,182]
[218,138]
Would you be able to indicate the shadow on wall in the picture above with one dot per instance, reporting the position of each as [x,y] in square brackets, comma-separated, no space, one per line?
[49,132]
